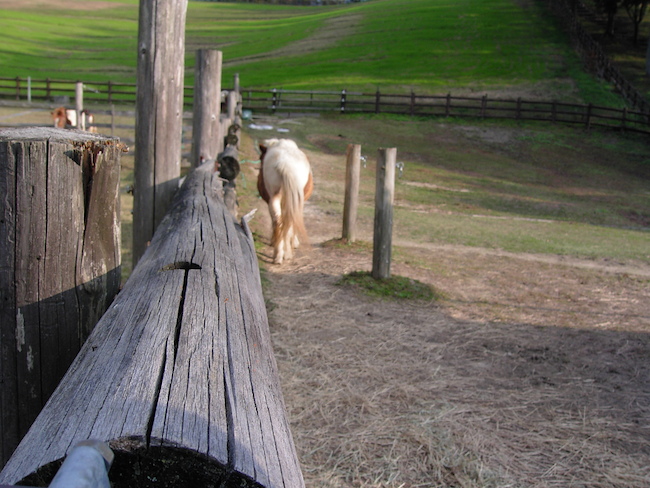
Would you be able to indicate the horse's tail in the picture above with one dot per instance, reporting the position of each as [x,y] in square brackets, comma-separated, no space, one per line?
[291,207]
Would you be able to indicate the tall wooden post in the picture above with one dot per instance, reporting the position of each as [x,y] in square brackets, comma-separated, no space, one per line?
[383,229]
[207,106]
[351,202]
[159,114]
[59,260]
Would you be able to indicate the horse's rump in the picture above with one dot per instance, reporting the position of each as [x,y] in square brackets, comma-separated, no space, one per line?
[285,175]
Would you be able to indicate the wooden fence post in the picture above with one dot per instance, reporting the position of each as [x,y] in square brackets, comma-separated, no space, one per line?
[79,105]
[351,202]
[112,119]
[231,105]
[383,227]
[159,114]
[207,106]
[59,260]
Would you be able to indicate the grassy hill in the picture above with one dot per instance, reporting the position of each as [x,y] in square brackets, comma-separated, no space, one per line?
[502,47]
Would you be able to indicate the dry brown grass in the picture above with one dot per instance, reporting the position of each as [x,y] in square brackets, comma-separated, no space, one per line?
[532,370]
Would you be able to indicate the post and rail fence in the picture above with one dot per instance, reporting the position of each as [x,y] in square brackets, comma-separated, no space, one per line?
[570,15]
[280,101]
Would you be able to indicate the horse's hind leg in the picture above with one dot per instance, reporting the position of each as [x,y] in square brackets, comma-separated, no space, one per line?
[288,242]
[277,241]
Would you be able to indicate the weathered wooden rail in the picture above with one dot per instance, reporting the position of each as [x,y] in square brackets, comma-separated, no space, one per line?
[179,375]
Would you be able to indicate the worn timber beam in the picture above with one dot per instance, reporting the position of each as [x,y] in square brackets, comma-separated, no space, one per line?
[179,375]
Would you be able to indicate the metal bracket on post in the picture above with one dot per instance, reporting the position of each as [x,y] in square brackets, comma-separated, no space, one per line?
[86,466]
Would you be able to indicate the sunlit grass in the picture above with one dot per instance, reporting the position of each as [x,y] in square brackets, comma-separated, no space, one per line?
[421,45]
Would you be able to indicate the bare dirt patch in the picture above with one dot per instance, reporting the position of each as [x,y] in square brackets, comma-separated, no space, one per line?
[531,371]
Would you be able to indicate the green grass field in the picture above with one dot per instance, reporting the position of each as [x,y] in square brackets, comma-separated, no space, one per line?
[548,190]
[521,188]
[430,46]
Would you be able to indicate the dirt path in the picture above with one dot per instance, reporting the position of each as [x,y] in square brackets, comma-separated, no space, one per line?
[531,371]
[333,30]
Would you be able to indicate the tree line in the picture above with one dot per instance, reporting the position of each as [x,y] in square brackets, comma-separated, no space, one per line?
[635,9]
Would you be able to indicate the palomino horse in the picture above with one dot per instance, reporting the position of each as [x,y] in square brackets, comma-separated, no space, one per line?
[285,182]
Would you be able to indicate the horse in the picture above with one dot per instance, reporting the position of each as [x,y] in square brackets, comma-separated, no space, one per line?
[67,118]
[61,119]
[285,182]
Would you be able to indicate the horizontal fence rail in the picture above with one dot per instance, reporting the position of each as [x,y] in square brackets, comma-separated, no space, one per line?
[272,101]
[63,91]
[296,101]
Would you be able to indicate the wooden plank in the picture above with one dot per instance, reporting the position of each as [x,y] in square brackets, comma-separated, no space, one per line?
[180,370]
[60,320]
[31,200]
[98,273]
[8,370]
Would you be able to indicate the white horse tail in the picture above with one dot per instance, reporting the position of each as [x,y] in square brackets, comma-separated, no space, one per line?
[291,222]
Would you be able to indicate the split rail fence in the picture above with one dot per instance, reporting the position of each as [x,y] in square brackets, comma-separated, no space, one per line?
[280,101]
[295,101]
